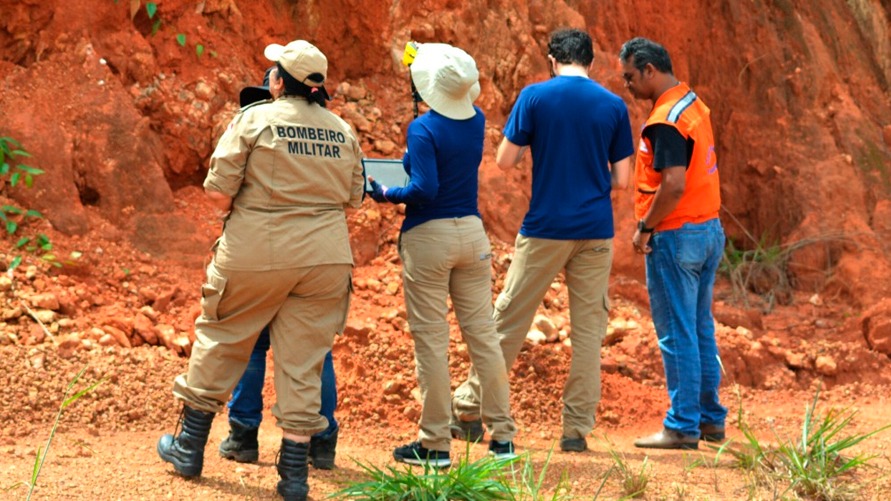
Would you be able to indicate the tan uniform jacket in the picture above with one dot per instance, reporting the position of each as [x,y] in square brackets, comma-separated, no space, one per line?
[292,167]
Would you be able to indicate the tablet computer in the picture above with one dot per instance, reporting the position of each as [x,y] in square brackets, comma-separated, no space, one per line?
[387,172]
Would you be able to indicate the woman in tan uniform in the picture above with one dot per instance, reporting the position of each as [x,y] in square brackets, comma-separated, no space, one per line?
[286,169]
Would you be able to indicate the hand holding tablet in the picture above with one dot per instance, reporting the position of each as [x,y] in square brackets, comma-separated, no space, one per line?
[387,172]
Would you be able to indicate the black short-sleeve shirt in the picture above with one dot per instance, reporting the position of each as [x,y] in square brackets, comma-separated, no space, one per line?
[670,149]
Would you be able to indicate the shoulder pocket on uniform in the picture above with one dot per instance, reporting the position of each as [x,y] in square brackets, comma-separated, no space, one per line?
[212,293]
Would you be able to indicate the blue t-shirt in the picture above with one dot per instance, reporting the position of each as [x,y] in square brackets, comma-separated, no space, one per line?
[575,129]
[442,159]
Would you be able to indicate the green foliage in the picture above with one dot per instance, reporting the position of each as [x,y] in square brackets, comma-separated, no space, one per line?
[634,481]
[814,465]
[482,480]
[42,452]
[13,218]
[466,481]
[761,269]
[750,455]
[151,8]
[10,151]
[764,268]
[524,485]
[199,48]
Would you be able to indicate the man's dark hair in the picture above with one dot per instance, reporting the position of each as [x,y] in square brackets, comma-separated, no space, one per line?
[293,87]
[571,46]
[645,52]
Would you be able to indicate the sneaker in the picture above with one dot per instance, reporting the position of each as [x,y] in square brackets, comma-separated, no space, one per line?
[502,450]
[573,444]
[417,454]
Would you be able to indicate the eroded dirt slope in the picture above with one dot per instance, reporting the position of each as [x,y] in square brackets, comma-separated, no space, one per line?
[123,117]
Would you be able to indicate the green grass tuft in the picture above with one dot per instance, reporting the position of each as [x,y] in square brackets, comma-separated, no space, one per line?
[634,481]
[482,480]
[816,465]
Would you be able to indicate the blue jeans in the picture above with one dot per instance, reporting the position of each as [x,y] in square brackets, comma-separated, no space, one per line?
[680,280]
[246,404]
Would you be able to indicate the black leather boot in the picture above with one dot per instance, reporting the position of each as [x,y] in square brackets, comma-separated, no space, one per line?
[291,466]
[322,450]
[186,451]
[241,444]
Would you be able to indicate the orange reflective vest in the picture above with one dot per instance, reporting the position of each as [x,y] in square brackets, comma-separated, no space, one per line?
[680,108]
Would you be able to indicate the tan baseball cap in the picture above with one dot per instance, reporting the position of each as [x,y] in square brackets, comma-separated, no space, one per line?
[302,60]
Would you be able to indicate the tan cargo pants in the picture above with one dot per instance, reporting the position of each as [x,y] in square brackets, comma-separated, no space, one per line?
[536,262]
[452,257]
[306,307]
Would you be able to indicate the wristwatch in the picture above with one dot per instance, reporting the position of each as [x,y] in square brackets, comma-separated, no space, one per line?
[642,227]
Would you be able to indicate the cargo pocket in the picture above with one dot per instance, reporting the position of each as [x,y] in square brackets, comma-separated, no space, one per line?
[602,320]
[502,302]
[346,307]
[212,293]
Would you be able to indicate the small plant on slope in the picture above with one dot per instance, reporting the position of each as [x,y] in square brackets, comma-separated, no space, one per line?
[44,451]
[14,173]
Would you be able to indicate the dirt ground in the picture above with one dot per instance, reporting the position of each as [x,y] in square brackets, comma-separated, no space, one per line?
[105,444]
[124,465]
[121,104]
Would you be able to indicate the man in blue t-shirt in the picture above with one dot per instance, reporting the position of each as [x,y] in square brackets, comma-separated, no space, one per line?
[580,138]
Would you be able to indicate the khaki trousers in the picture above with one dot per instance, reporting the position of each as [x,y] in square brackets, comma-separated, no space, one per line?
[452,257]
[535,264]
[306,307]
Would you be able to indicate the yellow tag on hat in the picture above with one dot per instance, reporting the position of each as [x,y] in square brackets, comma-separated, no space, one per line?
[408,55]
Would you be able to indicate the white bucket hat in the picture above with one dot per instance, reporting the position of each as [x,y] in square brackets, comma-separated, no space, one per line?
[300,59]
[447,79]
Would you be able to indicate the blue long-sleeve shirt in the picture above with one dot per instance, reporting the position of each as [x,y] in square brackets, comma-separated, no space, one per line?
[442,161]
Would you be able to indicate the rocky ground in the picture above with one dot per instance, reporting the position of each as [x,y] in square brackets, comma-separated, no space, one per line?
[126,319]
[120,104]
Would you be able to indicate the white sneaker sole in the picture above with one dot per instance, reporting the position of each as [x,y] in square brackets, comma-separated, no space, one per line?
[435,463]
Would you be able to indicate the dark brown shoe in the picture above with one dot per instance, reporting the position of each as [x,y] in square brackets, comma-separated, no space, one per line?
[573,444]
[668,439]
[711,432]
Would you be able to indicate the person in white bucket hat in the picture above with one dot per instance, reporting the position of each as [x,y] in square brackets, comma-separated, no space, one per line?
[447,79]
[445,252]
[284,170]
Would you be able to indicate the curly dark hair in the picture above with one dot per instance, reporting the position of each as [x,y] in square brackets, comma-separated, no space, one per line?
[571,46]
